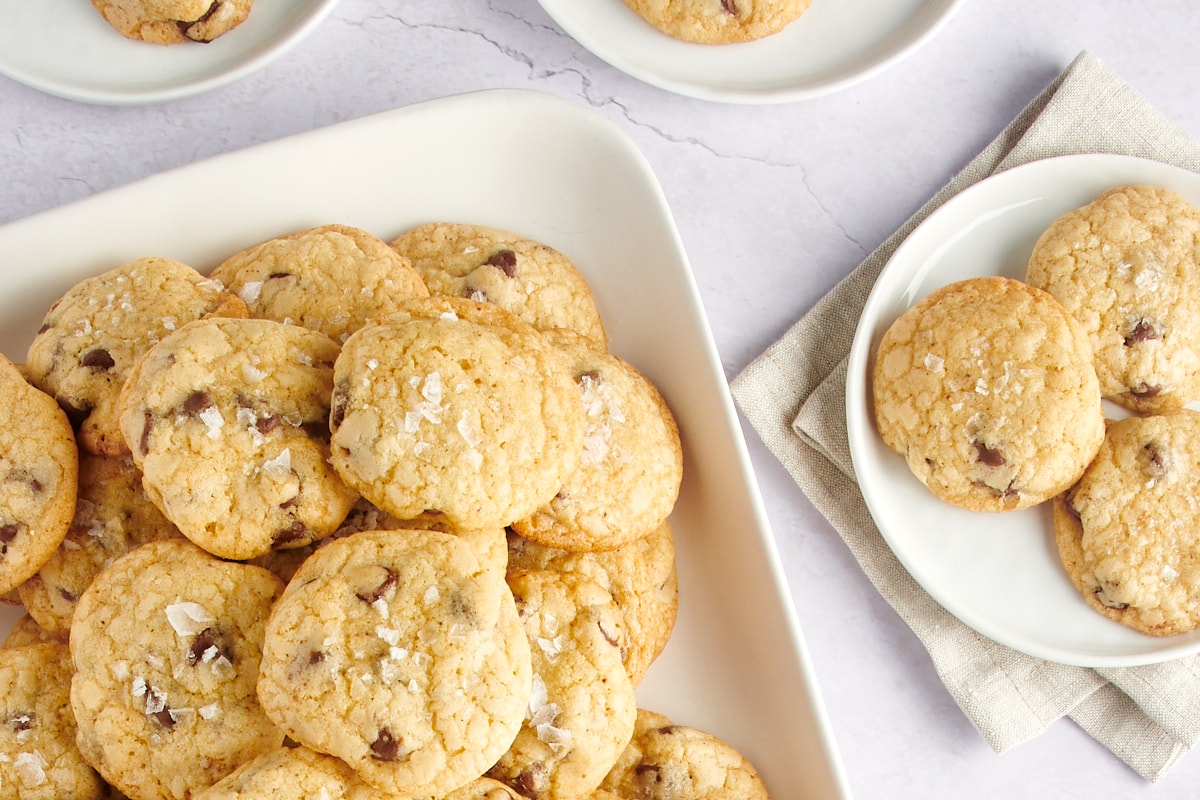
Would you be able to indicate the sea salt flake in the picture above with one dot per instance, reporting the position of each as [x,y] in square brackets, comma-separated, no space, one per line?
[553,648]
[209,712]
[559,739]
[212,419]
[250,292]
[281,465]
[934,363]
[389,635]
[1169,573]
[252,374]
[188,619]
[432,594]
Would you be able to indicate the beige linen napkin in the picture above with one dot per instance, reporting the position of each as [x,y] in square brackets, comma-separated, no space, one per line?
[794,396]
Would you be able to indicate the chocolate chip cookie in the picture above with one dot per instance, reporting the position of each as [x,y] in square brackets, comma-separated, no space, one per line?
[582,708]
[38,756]
[227,420]
[631,466]
[478,424]
[39,467]
[665,761]
[719,21]
[332,279]
[1126,531]
[398,653]
[1127,267]
[93,334]
[530,279]
[173,21]
[166,644]
[986,388]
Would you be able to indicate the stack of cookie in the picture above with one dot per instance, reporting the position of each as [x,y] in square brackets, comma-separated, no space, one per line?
[312,530]
[992,390]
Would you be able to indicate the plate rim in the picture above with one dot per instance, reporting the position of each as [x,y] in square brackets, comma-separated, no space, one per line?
[860,431]
[211,80]
[766,96]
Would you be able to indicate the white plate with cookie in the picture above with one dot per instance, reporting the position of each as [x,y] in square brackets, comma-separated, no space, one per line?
[1000,573]
[832,45]
[66,48]
[736,664]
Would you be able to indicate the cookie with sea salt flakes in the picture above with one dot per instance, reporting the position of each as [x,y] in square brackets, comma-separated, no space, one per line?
[332,279]
[93,334]
[227,419]
[640,576]
[532,280]
[113,515]
[582,709]
[1127,267]
[986,388]
[39,465]
[400,655]
[631,466]
[719,21]
[478,424]
[665,761]
[166,644]
[38,756]
[1126,531]
[173,21]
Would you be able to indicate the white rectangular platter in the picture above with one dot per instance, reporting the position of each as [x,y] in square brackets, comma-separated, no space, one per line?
[737,665]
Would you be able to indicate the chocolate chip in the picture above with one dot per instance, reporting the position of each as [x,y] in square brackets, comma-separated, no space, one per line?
[385,747]
[147,424]
[289,503]
[730,7]
[267,424]
[591,376]
[185,26]
[531,778]
[315,657]
[67,595]
[203,642]
[373,595]
[9,532]
[505,261]
[1100,592]
[337,412]
[25,476]
[98,359]
[1142,331]
[1158,460]
[45,327]
[164,718]
[988,456]
[610,637]
[648,773]
[1144,389]
[196,402]
[22,721]
[295,532]
[275,275]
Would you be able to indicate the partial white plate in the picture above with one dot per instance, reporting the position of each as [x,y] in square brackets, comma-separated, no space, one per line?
[834,44]
[737,664]
[998,573]
[65,48]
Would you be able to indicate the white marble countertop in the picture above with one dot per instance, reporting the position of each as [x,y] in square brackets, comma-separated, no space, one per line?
[774,204]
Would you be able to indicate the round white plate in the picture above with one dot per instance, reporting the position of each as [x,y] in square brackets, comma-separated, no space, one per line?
[65,48]
[835,43]
[998,573]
